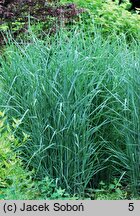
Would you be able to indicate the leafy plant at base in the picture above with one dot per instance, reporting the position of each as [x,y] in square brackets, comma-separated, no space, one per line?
[114,191]
[13,178]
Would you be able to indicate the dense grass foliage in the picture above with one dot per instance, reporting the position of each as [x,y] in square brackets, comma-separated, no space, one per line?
[77,101]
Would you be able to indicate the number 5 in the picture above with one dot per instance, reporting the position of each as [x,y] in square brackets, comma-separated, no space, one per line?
[131,207]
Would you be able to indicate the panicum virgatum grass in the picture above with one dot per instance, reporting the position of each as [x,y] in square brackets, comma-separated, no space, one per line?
[78,99]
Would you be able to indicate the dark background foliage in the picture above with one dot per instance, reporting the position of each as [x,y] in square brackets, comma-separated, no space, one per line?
[50,16]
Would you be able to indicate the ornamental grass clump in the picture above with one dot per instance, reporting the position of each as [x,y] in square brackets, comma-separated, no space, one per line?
[77,99]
